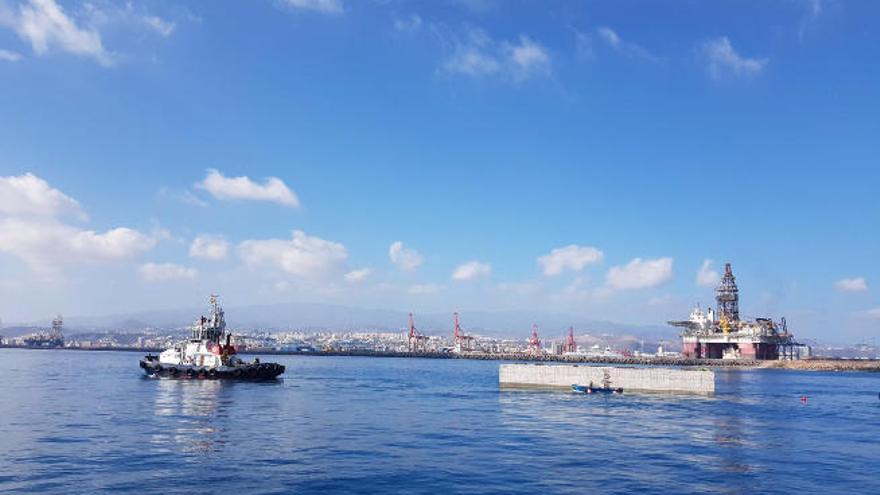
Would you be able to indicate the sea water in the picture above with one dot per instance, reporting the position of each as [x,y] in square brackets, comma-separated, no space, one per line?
[90,422]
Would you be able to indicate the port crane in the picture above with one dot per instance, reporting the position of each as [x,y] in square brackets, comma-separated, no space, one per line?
[534,342]
[570,345]
[417,341]
[462,341]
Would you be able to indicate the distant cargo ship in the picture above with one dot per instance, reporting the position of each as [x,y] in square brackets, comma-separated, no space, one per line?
[51,340]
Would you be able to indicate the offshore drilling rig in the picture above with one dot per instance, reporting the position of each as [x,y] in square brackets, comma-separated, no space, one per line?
[52,339]
[723,335]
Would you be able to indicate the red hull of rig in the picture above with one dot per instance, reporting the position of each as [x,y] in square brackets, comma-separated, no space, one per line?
[720,350]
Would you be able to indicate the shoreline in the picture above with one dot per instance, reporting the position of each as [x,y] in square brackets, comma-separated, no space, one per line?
[811,364]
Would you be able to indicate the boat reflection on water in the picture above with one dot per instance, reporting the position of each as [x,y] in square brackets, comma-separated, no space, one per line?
[191,415]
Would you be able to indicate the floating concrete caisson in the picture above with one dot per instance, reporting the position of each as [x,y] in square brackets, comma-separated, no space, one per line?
[666,380]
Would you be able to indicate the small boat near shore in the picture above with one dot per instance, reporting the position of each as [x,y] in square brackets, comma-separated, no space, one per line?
[208,354]
[591,389]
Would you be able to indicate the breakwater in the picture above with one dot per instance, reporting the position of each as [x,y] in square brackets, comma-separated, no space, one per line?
[563,376]
[825,365]
[813,364]
[547,358]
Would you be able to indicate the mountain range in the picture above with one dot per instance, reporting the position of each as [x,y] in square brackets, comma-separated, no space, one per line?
[328,317]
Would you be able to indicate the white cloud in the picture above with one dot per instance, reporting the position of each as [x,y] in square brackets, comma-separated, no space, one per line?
[186,197]
[856,284]
[159,25]
[722,59]
[9,56]
[706,276]
[129,15]
[471,270]
[243,188]
[639,274]
[472,56]
[477,54]
[163,272]
[529,58]
[303,255]
[404,258]
[191,199]
[321,6]
[30,195]
[609,35]
[571,257]
[612,39]
[118,243]
[356,276]
[209,247]
[31,231]
[46,26]
[420,289]
[469,60]
[44,243]
[409,25]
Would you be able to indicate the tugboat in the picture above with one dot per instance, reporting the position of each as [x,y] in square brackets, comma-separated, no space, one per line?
[208,354]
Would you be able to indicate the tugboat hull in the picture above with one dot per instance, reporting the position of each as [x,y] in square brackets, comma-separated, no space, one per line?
[250,371]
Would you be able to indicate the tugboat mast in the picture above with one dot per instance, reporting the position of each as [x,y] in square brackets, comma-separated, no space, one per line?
[212,327]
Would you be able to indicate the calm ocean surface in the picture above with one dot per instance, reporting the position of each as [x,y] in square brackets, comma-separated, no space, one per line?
[86,422]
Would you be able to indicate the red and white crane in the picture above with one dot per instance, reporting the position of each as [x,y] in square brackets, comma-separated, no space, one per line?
[534,342]
[462,341]
[417,341]
[570,345]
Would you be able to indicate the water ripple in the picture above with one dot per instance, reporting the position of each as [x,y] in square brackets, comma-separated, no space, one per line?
[359,425]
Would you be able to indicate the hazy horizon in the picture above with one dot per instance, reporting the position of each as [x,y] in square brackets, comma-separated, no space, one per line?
[559,158]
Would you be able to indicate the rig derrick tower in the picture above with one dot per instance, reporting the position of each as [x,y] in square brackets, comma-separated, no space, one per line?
[727,298]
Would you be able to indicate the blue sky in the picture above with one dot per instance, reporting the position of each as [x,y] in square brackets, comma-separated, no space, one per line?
[637,139]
